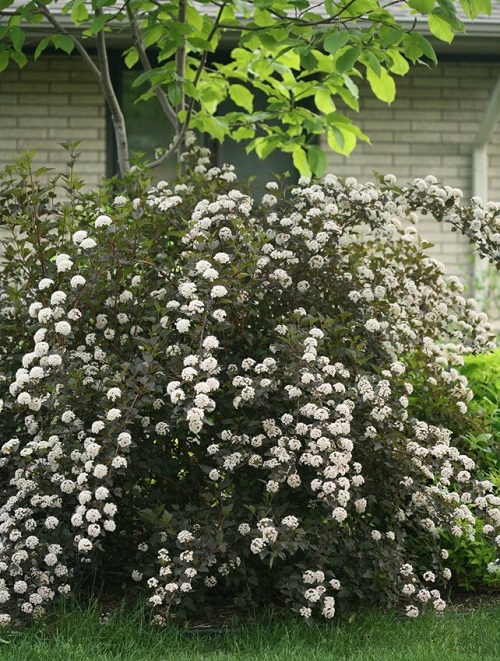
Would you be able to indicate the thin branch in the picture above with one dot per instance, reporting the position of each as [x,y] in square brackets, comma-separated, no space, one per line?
[78,45]
[172,149]
[146,65]
[114,106]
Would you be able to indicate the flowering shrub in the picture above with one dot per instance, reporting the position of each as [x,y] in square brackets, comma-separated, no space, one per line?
[210,395]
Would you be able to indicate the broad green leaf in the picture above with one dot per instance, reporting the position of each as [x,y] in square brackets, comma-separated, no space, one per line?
[63,42]
[301,162]
[17,37]
[131,57]
[392,37]
[399,65]
[351,86]
[340,140]
[4,4]
[335,41]
[415,45]
[331,9]
[473,8]
[153,35]
[323,101]
[241,96]
[308,60]
[422,6]
[383,86]
[263,18]
[41,47]
[194,18]
[372,61]
[4,59]
[318,160]
[348,59]
[263,147]
[440,28]
[19,58]
[214,126]
[97,24]
[174,93]
[243,133]
[79,13]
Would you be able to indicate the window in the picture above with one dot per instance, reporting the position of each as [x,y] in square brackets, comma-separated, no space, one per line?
[148,129]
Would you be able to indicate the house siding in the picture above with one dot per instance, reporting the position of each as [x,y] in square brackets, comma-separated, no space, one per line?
[429,129]
[53,100]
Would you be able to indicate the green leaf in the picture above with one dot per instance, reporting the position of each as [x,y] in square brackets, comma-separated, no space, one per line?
[19,58]
[341,140]
[241,96]
[318,160]
[323,101]
[399,65]
[152,35]
[97,24]
[300,161]
[422,6]
[41,47]
[383,86]
[440,28]
[79,13]
[264,146]
[415,45]
[131,57]
[4,4]
[372,62]
[348,59]
[308,60]
[392,37]
[63,42]
[243,133]
[472,8]
[4,59]
[17,36]
[200,44]
[330,8]
[174,93]
[335,41]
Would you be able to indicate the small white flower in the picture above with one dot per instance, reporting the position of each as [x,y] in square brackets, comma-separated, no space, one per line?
[45,283]
[102,221]
[63,328]
[113,414]
[87,244]
[218,291]
[79,236]
[77,281]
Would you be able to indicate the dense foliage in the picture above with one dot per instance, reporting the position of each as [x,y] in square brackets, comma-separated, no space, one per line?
[215,398]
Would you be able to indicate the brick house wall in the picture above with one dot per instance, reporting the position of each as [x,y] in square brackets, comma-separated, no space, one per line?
[53,100]
[429,129]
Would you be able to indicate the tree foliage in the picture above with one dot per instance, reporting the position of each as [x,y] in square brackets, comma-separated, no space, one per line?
[305,58]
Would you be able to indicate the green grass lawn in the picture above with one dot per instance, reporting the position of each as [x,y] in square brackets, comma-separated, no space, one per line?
[79,636]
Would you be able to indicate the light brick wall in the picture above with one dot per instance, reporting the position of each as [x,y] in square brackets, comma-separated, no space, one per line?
[48,102]
[429,129]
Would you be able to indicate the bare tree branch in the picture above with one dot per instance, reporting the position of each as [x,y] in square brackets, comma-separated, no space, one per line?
[114,105]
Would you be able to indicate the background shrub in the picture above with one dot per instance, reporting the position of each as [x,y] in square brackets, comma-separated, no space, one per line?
[209,397]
